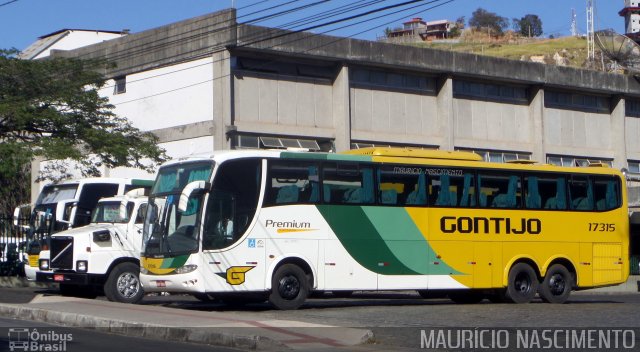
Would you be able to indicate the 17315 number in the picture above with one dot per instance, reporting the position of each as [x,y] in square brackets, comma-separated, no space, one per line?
[601,227]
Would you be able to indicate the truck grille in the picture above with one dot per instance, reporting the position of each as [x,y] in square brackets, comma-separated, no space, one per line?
[62,252]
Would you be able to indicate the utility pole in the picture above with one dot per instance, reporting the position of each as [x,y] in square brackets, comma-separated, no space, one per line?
[591,43]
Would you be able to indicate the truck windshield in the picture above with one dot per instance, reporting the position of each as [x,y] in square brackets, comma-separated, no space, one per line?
[112,212]
[54,193]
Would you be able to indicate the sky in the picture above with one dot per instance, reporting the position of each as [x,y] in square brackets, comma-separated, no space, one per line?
[23,21]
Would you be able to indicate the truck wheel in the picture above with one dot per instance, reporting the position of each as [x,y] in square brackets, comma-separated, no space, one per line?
[123,284]
[289,287]
[523,284]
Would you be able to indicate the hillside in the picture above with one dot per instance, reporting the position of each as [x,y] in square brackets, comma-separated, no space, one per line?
[566,51]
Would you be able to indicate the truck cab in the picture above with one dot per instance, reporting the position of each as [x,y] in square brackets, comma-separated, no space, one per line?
[66,205]
[102,256]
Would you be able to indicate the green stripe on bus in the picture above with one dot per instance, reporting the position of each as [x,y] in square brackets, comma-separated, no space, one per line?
[175,262]
[405,241]
[361,239]
[325,156]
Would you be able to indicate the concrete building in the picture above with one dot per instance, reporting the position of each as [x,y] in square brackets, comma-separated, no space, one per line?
[209,83]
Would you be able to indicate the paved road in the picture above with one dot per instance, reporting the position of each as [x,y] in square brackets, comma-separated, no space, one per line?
[87,340]
[398,319]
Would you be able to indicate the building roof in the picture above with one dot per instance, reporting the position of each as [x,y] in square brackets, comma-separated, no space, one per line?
[46,41]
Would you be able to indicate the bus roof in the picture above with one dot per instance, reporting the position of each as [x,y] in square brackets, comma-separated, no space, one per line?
[416,153]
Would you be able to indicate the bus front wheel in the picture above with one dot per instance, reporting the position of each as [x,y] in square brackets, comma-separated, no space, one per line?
[289,287]
[523,283]
[557,284]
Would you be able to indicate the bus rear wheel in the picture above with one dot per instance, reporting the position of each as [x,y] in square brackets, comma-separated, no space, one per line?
[557,284]
[289,287]
[523,284]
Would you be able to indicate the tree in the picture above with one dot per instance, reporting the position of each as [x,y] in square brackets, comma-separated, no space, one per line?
[51,109]
[528,26]
[482,19]
[456,29]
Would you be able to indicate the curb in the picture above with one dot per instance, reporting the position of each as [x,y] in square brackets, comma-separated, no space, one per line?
[151,331]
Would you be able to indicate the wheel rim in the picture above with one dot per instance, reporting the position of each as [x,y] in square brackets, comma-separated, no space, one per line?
[557,284]
[128,285]
[289,287]
[523,284]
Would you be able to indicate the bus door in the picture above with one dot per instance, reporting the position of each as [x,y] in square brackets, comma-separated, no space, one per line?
[233,258]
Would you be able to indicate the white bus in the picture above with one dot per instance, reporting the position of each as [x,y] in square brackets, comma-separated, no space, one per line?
[277,225]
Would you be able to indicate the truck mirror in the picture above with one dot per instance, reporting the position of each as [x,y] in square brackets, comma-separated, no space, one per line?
[21,215]
[188,191]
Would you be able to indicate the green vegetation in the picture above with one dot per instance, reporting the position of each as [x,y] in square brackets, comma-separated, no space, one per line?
[573,49]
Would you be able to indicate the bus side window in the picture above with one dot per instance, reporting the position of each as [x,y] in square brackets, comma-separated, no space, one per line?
[553,192]
[292,182]
[581,193]
[348,183]
[500,191]
[401,185]
[605,193]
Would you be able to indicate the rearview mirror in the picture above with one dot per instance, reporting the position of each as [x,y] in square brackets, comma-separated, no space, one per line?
[188,190]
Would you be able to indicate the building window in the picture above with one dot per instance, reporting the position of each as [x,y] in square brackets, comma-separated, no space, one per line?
[282,68]
[490,92]
[369,144]
[633,166]
[577,101]
[564,160]
[632,108]
[251,141]
[392,80]
[120,86]
[494,156]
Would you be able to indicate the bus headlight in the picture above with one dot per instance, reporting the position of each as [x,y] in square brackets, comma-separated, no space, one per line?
[81,266]
[186,269]
[43,264]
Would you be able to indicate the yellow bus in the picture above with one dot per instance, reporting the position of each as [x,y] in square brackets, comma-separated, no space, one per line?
[279,225]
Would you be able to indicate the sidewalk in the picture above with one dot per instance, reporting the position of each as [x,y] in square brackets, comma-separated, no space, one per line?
[631,286]
[214,328]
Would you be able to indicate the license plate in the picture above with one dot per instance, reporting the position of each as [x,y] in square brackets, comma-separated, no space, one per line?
[58,277]
[161,284]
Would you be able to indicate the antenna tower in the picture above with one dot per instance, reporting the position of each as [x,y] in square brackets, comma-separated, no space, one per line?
[591,45]
[574,26]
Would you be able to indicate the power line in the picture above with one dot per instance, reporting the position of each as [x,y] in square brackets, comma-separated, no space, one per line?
[261,37]
[251,5]
[8,2]
[305,51]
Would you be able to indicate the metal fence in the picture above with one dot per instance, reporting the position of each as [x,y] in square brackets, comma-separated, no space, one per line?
[13,245]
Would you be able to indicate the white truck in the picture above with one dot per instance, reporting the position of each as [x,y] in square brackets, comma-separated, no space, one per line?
[102,256]
[65,205]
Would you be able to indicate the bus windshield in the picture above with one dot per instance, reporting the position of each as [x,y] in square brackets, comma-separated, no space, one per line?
[53,194]
[173,178]
[167,230]
[231,205]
